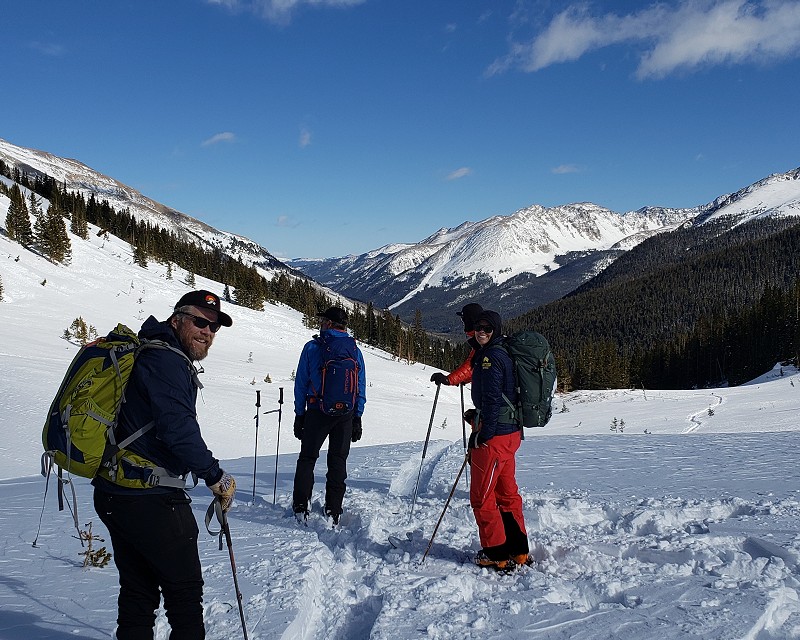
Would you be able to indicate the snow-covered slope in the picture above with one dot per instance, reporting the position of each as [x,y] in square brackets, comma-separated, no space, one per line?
[681,524]
[777,195]
[82,179]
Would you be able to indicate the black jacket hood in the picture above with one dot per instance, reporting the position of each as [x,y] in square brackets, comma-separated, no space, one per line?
[493,319]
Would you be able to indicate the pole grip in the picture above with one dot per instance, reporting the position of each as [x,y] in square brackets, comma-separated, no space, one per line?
[258,397]
[280,399]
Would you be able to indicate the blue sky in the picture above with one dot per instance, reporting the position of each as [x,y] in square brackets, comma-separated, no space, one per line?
[325,127]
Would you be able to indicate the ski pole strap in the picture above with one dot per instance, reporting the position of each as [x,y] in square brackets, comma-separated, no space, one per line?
[215,510]
[48,462]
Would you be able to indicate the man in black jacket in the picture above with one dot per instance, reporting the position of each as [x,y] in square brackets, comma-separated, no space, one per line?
[147,512]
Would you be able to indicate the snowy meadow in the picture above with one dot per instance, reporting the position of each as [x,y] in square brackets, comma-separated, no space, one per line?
[651,514]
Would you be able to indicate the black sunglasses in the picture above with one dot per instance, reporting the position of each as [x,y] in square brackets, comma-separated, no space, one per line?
[483,328]
[202,323]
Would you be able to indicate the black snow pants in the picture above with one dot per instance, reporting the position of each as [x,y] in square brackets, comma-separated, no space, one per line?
[316,428]
[154,539]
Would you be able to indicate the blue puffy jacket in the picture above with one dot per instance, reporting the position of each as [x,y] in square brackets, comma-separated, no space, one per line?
[493,376]
[161,389]
[308,377]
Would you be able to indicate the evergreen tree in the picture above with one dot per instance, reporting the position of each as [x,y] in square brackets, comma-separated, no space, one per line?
[18,222]
[1,288]
[54,242]
[34,206]
[79,225]
[140,256]
[421,342]
[250,291]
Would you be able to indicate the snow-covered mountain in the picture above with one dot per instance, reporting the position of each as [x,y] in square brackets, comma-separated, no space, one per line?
[512,262]
[528,258]
[777,195]
[82,179]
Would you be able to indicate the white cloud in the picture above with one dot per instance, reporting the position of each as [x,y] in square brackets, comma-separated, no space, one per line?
[225,136]
[48,48]
[686,36]
[305,138]
[280,11]
[565,168]
[459,173]
[286,221]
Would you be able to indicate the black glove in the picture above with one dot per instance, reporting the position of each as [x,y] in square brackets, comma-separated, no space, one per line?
[298,426]
[356,436]
[440,378]
[473,440]
[469,415]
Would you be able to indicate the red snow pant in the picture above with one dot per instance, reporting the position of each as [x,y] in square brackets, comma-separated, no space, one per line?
[494,492]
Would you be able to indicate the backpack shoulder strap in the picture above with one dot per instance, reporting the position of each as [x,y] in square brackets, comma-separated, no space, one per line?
[161,344]
[513,409]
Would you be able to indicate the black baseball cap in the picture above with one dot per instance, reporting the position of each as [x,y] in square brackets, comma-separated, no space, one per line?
[469,313]
[204,300]
[335,315]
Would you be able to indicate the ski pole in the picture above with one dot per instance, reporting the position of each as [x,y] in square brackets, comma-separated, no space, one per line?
[424,450]
[446,504]
[277,451]
[463,422]
[225,530]
[255,453]
[464,429]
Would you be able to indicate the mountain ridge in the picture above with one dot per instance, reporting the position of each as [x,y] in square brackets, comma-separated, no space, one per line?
[528,258]
[81,178]
[512,262]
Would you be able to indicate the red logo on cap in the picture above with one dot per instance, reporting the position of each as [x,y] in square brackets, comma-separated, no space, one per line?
[211,300]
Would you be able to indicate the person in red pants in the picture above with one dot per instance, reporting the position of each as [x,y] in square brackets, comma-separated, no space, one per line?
[494,495]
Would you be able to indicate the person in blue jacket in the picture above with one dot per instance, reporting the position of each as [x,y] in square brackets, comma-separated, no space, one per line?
[153,531]
[314,423]
[494,495]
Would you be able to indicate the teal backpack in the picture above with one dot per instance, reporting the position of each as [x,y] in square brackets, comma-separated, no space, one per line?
[535,371]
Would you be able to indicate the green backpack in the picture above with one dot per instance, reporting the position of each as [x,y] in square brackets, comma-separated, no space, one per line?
[535,371]
[78,436]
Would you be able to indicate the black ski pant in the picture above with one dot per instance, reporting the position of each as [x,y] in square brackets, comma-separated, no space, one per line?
[154,538]
[316,428]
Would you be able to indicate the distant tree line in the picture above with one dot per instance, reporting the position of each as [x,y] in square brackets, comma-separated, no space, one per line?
[700,307]
[379,328]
